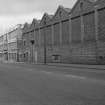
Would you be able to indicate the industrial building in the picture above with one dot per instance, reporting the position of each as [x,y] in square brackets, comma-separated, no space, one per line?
[73,35]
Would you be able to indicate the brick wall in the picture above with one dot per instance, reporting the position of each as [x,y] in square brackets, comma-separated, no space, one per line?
[65,32]
[56,34]
[88,51]
[84,53]
[75,53]
[89,27]
[42,36]
[40,55]
[101,24]
[26,47]
[36,37]
[48,36]
[76,29]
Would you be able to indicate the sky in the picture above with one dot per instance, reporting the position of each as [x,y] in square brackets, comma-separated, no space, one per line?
[13,12]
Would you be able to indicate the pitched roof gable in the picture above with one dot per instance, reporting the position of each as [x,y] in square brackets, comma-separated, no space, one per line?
[45,19]
[61,12]
[32,26]
[26,27]
[84,5]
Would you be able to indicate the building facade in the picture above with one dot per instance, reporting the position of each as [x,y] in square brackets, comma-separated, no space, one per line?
[14,37]
[31,42]
[86,26]
[69,36]
[5,47]
[26,47]
[1,47]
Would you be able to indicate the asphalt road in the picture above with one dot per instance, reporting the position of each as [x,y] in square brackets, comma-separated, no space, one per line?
[49,85]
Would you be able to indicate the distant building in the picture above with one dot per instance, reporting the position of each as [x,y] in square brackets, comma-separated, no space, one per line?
[74,35]
[14,37]
[31,42]
[1,47]
[5,47]
[26,43]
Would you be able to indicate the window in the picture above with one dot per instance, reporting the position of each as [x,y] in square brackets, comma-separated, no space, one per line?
[60,14]
[81,6]
[101,57]
[56,57]
[45,21]
[24,43]
[24,56]
[32,42]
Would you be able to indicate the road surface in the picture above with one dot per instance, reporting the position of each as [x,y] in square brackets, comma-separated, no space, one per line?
[22,84]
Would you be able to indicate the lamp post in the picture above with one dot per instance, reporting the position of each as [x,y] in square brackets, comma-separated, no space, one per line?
[17,54]
[32,43]
[45,44]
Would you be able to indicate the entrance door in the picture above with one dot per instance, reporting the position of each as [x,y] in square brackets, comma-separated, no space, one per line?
[6,56]
[36,56]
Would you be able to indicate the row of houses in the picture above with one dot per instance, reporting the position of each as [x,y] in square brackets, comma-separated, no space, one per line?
[74,35]
[11,44]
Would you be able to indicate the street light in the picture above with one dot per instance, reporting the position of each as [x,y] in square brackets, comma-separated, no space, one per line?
[32,43]
[44,43]
[17,54]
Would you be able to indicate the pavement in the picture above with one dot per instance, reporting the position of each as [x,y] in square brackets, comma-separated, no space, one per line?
[91,66]
[98,67]
[25,84]
[102,67]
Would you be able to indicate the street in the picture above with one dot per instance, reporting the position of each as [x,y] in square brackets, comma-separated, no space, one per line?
[24,84]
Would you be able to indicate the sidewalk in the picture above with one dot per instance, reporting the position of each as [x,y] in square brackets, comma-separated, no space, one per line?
[98,67]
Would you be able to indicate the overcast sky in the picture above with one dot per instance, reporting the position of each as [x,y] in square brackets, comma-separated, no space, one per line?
[14,12]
